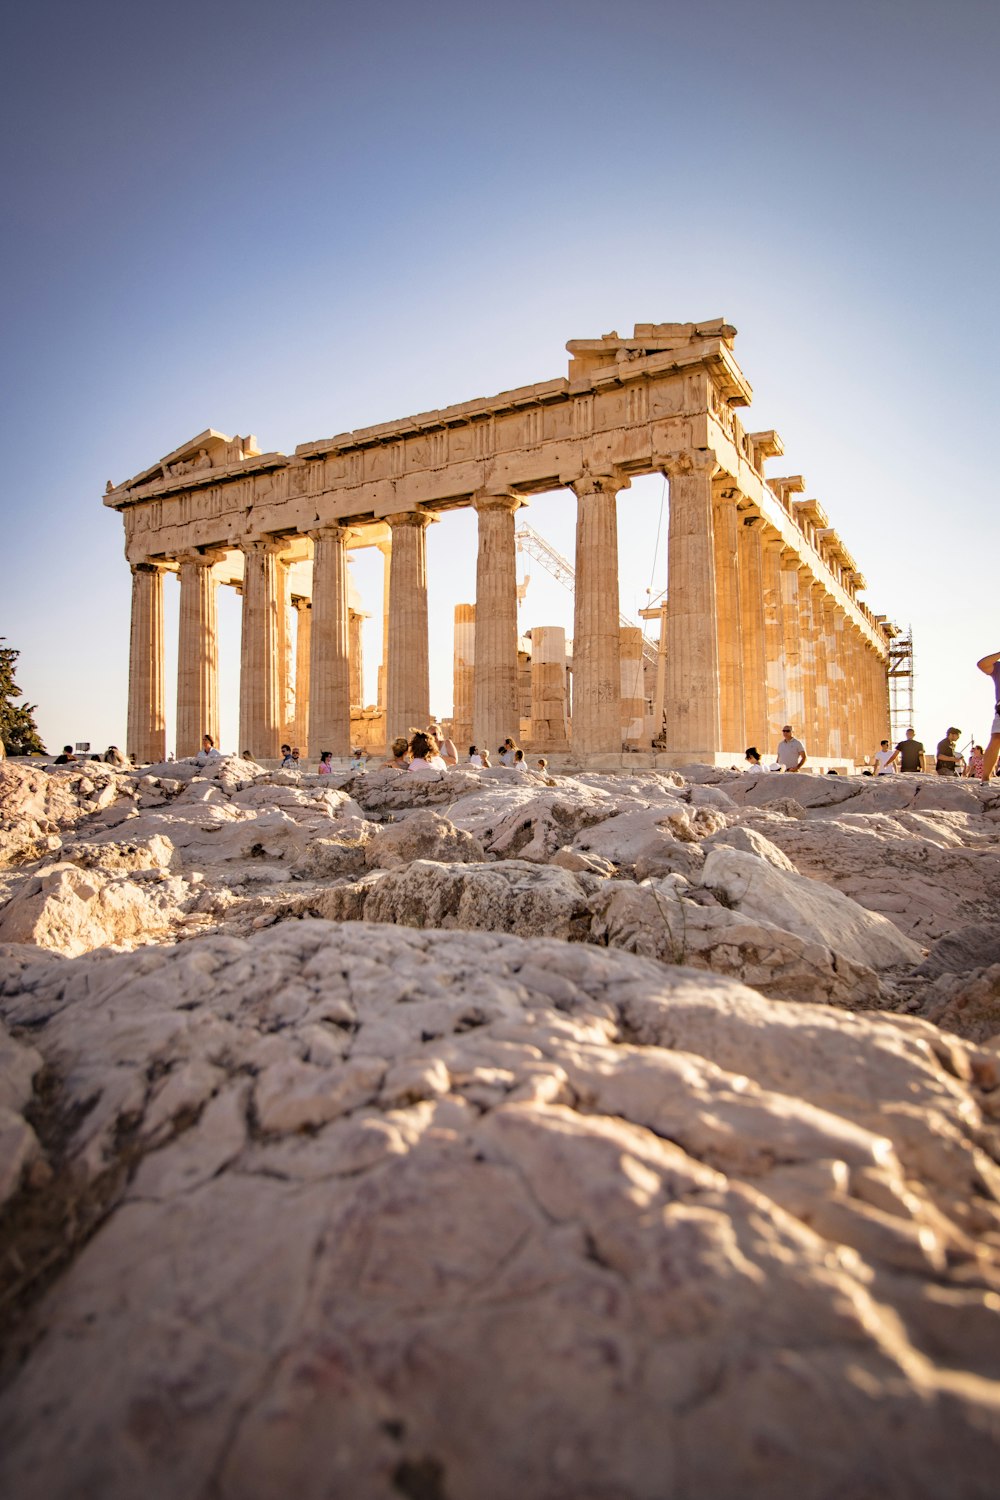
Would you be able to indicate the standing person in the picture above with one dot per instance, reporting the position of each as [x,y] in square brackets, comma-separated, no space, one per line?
[791,753]
[911,753]
[883,761]
[991,666]
[948,758]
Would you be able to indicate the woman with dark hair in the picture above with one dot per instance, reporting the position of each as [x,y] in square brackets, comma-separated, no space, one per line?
[399,757]
[752,758]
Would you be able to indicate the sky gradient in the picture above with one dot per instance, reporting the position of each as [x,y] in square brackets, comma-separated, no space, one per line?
[298,219]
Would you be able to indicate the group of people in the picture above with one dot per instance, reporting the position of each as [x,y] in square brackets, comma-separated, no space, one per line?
[427,751]
[789,756]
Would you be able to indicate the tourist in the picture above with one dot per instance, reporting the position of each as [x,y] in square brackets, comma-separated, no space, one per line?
[884,760]
[287,764]
[542,765]
[752,757]
[949,758]
[520,764]
[208,751]
[475,759]
[357,760]
[449,751]
[484,756]
[399,757]
[248,755]
[991,666]
[296,756]
[325,767]
[791,753]
[911,753]
[506,752]
[113,756]
[66,757]
[974,768]
[424,757]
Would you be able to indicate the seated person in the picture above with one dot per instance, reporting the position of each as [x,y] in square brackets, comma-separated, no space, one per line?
[325,767]
[424,757]
[399,757]
[287,764]
[66,757]
[208,751]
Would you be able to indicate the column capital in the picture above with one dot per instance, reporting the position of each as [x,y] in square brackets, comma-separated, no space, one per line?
[598,482]
[696,461]
[331,532]
[412,518]
[146,567]
[206,559]
[264,544]
[497,500]
[300,602]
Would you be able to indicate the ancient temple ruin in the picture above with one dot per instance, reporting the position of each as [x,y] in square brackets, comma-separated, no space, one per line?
[761,624]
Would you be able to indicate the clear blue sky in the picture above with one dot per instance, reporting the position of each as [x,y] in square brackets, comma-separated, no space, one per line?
[297,218]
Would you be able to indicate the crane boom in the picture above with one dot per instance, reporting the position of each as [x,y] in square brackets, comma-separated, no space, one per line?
[562,570]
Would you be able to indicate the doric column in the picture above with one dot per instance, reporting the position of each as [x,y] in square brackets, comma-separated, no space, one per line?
[303,649]
[147,734]
[596,723]
[633,688]
[197,654]
[286,647]
[855,729]
[408,691]
[463,678]
[821,686]
[329,659]
[383,672]
[261,698]
[791,634]
[732,695]
[774,637]
[833,627]
[808,728]
[549,720]
[355,622]
[752,625]
[496,711]
[692,696]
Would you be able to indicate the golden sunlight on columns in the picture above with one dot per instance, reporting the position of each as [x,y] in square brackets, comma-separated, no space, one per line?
[752,625]
[329,657]
[197,654]
[261,700]
[821,687]
[854,725]
[147,734]
[408,691]
[791,631]
[496,710]
[303,647]
[633,688]
[463,669]
[774,637]
[725,527]
[836,674]
[809,728]
[692,692]
[355,623]
[386,550]
[596,723]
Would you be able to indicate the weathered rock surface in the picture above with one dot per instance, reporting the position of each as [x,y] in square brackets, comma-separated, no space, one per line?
[391,1213]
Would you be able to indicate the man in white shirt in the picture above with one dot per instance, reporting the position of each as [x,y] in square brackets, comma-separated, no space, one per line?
[791,753]
[883,763]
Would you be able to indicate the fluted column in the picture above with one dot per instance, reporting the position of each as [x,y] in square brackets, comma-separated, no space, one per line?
[809,725]
[197,654]
[633,688]
[355,623]
[833,625]
[791,633]
[774,638]
[408,691]
[732,696]
[596,721]
[286,683]
[261,679]
[329,659]
[496,706]
[147,733]
[383,672]
[463,675]
[752,625]
[821,687]
[854,727]
[549,719]
[692,696]
[303,649]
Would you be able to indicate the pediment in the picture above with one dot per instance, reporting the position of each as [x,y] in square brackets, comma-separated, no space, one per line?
[207,450]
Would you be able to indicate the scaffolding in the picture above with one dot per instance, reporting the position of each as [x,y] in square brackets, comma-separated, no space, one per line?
[901,677]
[528,540]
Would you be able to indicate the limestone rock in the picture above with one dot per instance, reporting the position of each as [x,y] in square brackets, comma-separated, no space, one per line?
[424,834]
[512,1230]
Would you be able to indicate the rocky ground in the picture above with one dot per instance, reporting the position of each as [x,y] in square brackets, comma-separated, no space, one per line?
[603,1137]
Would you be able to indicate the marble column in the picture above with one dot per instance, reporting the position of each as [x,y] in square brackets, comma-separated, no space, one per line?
[463,676]
[355,624]
[329,656]
[496,703]
[752,626]
[147,732]
[408,691]
[596,722]
[262,704]
[808,729]
[383,672]
[791,635]
[303,649]
[854,725]
[197,654]
[774,638]
[549,718]
[732,694]
[694,724]
[821,686]
[633,688]
[836,675]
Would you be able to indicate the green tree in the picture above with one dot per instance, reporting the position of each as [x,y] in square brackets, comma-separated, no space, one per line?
[18,729]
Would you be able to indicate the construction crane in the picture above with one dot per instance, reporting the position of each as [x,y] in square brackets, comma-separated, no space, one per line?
[563,572]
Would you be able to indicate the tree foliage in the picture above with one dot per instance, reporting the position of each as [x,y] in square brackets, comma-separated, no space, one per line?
[18,729]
